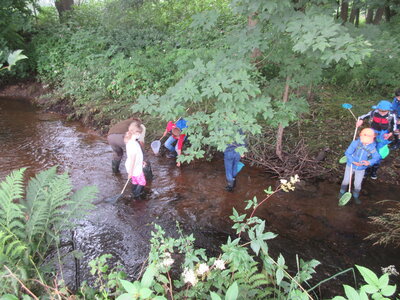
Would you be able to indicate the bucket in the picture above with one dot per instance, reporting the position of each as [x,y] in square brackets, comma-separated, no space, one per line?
[155,146]
[240,165]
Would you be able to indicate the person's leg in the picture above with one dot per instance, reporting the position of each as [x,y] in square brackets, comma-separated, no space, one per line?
[169,144]
[345,182]
[141,183]
[228,163]
[358,178]
[236,160]
[374,170]
[117,144]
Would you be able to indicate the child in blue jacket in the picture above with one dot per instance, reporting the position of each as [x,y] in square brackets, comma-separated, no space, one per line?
[361,154]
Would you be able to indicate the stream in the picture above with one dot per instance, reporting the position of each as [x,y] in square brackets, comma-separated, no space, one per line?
[308,221]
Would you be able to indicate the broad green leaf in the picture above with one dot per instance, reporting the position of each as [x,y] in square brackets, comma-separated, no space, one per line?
[215,296]
[9,297]
[14,57]
[128,286]
[279,276]
[145,293]
[233,292]
[125,296]
[148,276]
[370,289]
[368,276]
[351,293]
[388,291]
[383,281]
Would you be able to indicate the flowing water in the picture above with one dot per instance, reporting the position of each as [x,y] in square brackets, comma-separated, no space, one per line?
[308,221]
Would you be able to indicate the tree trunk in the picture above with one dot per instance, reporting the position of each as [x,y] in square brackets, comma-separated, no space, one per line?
[370,16]
[63,6]
[378,15]
[353,14]
[279,135]
[388,13]
[357,17]
[344,11]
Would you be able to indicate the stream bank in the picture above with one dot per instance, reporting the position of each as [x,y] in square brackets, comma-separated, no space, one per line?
[308,221]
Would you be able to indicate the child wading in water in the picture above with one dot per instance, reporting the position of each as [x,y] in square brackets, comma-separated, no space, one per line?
[361,154]
[134,160]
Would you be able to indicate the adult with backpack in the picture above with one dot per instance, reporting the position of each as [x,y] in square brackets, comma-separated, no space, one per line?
[384,124]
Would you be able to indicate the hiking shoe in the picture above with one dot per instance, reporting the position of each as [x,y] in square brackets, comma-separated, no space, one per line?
[230,186]
[171,155]
[374,176]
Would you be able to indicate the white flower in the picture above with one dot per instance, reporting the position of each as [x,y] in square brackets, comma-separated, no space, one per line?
[294,179]
[189,277]
[289,186]
[219,264]
[203,268]
[167,262]
[391,270]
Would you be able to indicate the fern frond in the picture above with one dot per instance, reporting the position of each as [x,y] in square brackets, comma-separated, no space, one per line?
[48,193]
[34,192]
[11,249]
[80,203]
[11,213]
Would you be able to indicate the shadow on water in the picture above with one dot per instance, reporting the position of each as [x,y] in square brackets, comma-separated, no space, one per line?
[308,221]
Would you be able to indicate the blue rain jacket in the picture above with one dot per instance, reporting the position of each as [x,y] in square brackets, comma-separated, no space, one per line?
[396,107]
[358,152]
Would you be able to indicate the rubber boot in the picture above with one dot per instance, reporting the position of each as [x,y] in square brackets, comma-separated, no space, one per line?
[374,169]
[367,172]
[138,191]
[115,166]
[230,186]
[342,192]
[356,197]
[133,189]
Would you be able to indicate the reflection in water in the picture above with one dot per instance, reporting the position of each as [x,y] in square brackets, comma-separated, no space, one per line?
[308,221]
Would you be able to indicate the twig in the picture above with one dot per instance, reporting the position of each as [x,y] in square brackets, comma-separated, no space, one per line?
[20,282]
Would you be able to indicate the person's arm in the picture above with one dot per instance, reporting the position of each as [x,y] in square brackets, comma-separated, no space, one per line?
[168,128]
[350,150]
[361,119]
[181,139]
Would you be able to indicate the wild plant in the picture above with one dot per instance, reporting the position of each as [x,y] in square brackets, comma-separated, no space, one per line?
[31,225]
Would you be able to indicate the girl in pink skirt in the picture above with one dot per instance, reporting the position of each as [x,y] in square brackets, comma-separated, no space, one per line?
[134,160]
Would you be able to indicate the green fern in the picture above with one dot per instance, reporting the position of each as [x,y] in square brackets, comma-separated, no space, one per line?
[29,227]
[10,248]
[11,211]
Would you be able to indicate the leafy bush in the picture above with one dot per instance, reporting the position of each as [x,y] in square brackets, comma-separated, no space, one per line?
[31,226]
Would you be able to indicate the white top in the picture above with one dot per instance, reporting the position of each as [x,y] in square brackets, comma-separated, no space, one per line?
[134,158]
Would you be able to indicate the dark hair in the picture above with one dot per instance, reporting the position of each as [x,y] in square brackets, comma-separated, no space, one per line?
[397,92]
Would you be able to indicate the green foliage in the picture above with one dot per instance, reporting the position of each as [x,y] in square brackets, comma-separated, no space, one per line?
[30,226]
[378,288]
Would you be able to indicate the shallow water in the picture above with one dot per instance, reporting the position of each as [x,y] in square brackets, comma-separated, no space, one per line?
[308,221]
